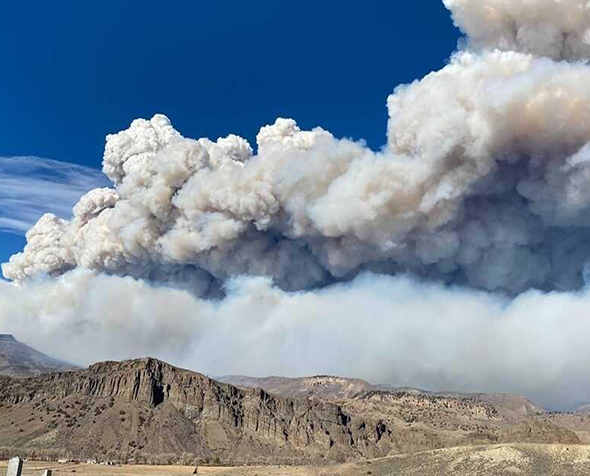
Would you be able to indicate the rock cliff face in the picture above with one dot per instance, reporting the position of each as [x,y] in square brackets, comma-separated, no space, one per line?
[147,410]
[217,419]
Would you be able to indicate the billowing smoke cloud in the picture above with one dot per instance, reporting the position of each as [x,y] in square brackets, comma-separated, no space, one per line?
[559,29]
[386,329]
[484,183]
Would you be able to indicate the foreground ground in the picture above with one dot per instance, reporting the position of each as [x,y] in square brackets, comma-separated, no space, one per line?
[491,460]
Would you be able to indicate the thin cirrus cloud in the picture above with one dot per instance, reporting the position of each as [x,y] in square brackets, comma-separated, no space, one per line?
[33,186]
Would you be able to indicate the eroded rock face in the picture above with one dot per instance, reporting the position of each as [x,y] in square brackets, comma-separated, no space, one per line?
[301,428]
[147,407]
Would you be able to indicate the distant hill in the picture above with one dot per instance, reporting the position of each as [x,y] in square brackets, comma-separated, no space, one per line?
[21,361]
[513,406]
[321,386]
[335,388]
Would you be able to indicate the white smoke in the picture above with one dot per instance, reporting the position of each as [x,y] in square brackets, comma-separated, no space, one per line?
[484,183]
[386,329]
[559,29]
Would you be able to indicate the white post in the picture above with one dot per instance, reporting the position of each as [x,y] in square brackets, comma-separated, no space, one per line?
[15,467]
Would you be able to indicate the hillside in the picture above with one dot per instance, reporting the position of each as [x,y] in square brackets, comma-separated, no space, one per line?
[335,388]
[147,410]
[488,460]
[20,360]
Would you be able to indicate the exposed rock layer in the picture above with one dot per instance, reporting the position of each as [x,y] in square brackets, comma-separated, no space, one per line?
[148,410]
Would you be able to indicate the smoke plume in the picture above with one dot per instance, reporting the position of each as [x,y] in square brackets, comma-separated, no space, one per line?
[386,329]
[558,29]
[295,257]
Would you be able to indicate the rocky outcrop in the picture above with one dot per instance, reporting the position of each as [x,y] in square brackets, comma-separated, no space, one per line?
[147,407]
[299,428]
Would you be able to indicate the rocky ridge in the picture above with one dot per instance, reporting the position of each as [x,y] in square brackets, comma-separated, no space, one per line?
[148,411]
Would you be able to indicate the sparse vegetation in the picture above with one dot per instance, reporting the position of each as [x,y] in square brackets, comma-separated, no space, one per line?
[109,412]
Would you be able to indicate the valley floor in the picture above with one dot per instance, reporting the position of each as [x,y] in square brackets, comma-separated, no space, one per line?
[492,460]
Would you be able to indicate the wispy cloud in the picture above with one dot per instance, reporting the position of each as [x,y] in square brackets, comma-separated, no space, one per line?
[32,186]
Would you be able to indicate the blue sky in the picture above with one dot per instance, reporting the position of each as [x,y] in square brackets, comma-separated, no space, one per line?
[75,71]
